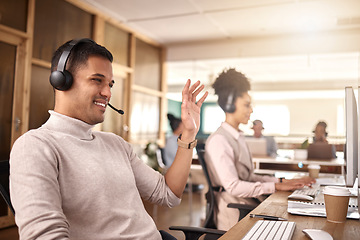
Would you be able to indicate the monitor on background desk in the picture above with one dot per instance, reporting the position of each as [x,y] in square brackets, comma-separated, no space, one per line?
[352,154]
[257,146]
[320,151]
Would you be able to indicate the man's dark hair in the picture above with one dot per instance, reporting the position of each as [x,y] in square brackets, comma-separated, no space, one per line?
[230,82]
[174,121]
[79,55]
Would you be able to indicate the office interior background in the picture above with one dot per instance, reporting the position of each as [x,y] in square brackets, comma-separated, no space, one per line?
[298,54]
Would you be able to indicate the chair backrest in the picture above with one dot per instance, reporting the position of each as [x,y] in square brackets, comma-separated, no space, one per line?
[4,183]
[210,197]
[160,157]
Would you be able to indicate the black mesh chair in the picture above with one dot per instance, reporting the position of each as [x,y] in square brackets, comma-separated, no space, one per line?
[209,228]
[244,209]
[4,183]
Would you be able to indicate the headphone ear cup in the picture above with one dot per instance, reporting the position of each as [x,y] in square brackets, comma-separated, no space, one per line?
[230,108]
[61,80]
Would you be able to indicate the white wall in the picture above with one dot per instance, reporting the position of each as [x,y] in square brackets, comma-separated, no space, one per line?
[305,113]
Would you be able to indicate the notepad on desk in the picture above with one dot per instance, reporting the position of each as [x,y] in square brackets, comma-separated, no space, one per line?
[317,209]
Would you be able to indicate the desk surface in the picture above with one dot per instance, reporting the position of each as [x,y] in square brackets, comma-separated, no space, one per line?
[276,205]
[330,162]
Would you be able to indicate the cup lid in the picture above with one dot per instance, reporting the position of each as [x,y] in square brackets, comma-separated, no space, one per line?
[313,166]
[336,191]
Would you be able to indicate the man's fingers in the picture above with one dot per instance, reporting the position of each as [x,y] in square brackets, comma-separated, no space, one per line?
[185,91]
[202,99]
[198,90]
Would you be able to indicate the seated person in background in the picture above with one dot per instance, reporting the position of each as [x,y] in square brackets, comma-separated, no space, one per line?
[69,182]
[271,145]
[229,161]
[171,142]
[320,135]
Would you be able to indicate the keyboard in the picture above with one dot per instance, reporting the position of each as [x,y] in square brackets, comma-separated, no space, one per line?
[269,229]
[312,192]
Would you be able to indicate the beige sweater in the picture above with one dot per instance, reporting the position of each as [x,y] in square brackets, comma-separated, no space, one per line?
[68,182]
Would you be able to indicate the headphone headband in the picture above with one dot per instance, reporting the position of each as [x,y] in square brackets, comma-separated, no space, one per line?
[65,55]
[61,79]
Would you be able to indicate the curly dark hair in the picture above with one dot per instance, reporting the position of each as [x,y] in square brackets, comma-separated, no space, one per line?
[230,81]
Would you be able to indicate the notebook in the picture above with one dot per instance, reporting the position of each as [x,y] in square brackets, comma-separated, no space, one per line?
[317,209]
[269,229]
[257,146]
[320,151]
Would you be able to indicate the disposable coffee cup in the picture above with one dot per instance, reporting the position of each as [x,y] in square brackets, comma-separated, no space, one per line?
[336,203]
[314,170]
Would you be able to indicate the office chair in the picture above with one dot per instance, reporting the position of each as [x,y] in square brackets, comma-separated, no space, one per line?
[244,209]
[209,223]
[160,157]
[4,183]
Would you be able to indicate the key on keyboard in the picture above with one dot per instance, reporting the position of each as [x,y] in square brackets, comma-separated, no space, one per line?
[268,229]
[313,192]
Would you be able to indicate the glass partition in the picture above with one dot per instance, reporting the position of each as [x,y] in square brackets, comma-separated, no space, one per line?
[117,42]
[56,22]
[14,14]
[7,71]
[41,96]
[144,117]
[147,65]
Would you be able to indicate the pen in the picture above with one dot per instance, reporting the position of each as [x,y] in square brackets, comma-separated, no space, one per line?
[265,217]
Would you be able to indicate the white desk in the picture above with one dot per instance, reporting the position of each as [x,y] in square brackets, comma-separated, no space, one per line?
[286,164]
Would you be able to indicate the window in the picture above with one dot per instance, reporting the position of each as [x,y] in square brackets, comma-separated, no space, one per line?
[145,117]
[275,118]
[56,22]
[147,65]
[117,42]
[212,118]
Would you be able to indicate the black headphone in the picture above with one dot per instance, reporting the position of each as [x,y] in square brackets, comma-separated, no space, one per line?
[61,79]
[230,105]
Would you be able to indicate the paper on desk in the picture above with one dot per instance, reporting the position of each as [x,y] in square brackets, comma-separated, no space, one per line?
[330,181]
[316,209]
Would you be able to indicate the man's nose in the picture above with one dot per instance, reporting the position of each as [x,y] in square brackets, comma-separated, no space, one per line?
[106,92]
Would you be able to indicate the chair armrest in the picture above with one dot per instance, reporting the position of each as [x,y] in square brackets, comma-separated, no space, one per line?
[244,209]
[241,206]
[196,232]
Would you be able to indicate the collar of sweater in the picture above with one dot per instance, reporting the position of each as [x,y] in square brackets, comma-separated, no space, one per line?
[68,125]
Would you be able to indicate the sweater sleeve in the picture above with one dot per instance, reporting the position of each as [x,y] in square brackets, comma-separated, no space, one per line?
[35,192]
[150,183]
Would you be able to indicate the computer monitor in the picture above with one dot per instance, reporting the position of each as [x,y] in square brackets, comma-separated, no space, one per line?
[257,146]
[320,150]
[352,154]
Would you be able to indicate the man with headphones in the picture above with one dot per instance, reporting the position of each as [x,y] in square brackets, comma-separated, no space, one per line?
[271,145]
[69,182]
[228,158]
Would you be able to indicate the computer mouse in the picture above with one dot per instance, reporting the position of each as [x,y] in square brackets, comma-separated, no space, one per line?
[317,234]
[301,197]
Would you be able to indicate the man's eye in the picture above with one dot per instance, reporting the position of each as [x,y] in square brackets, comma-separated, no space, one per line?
[96,79]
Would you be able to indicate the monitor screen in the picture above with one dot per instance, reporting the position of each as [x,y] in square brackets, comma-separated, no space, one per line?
[257,146]
[351,112]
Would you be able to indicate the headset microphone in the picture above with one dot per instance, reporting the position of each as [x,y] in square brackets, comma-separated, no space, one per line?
[117,110]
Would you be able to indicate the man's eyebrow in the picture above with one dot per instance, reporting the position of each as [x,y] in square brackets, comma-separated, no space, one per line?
[98,75]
